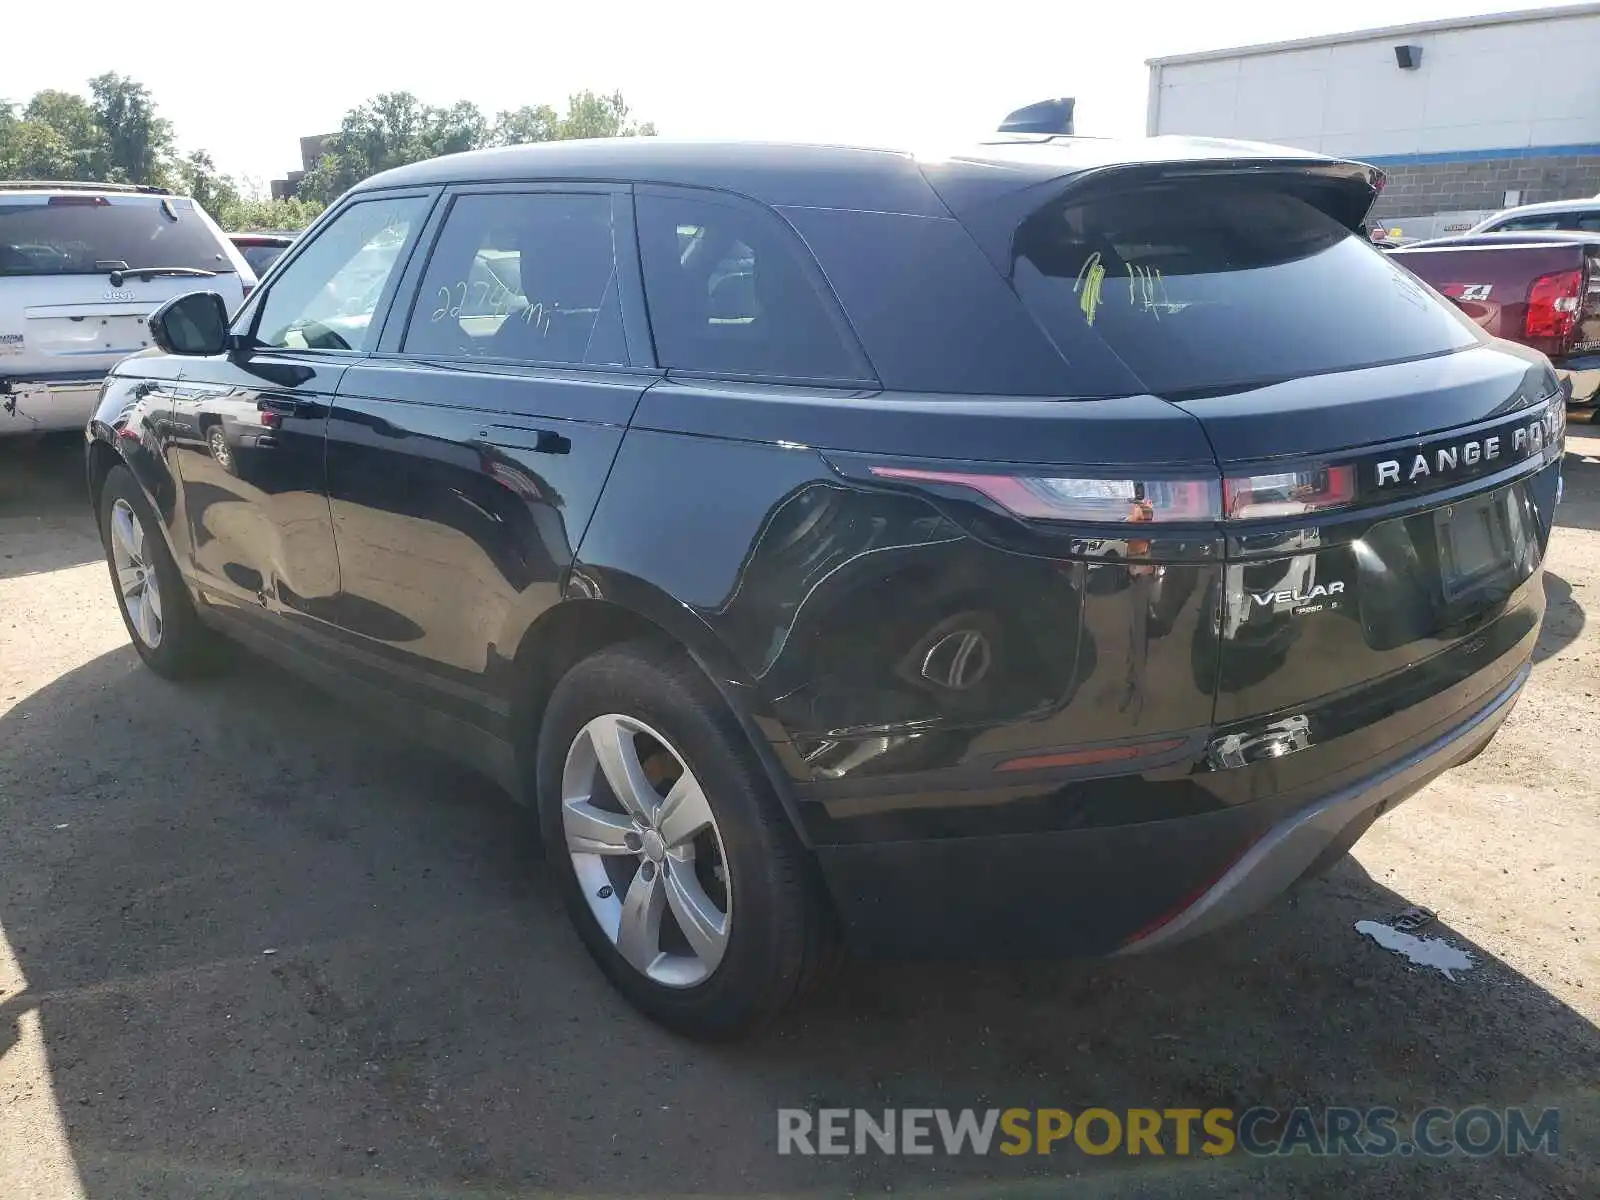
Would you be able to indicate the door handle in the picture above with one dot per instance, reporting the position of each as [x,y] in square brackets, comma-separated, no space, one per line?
[540,441]
[283,406]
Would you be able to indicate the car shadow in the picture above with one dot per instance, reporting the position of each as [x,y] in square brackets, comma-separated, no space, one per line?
[43,501]
[1580,469]
[1564,618]
[263,948]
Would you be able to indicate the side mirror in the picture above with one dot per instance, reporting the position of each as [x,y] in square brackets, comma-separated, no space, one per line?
[195,323]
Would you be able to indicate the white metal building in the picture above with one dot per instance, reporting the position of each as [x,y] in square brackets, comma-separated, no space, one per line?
[1466,116]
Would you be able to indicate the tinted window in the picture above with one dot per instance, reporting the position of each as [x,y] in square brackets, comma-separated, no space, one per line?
[325,298]
[530,277]
[1585,222]
[1200,286]
[731,291]
[1516,224]
[261,257]
[71,234]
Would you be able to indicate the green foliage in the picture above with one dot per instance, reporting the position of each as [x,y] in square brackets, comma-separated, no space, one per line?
[396,128]
[197,176]
[115,136]
[243,214]
[138,143]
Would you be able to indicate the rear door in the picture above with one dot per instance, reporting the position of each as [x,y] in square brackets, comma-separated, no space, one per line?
[60,313]
[466,456]
[1385,490]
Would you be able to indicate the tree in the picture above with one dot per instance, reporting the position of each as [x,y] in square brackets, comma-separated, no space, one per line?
[396,128]
[138,143]
[32,150]
[74,120]
[390,130]
[530,123]
[592,116]
[198,177]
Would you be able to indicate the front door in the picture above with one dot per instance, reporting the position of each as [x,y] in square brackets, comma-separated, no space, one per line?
[248,426]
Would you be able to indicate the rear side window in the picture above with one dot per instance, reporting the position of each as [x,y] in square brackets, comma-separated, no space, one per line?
[1200,286]
[77,234]
[529,277]
[732,292]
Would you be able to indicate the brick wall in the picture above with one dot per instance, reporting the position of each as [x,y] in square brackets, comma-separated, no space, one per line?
[1420,189]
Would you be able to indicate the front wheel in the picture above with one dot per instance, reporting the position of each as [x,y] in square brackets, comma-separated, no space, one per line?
[678,865]
[150,593]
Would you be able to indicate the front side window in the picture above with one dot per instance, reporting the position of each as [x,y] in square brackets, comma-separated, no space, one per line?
[325,298]
[529,277]
[730,291]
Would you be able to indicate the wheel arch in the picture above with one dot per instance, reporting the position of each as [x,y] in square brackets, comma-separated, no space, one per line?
[585,624]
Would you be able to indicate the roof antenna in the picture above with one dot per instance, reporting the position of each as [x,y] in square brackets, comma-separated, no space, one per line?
[1052,117]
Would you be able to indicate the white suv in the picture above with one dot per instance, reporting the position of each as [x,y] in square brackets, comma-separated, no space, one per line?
[81,267]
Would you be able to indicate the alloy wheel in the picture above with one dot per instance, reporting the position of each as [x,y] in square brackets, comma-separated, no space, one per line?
[646,850]
[217,442]
[136,574]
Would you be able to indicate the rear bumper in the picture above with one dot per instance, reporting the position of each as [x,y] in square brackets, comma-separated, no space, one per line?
[1580,377]
[1130,888]
[1296,844]
[49,404]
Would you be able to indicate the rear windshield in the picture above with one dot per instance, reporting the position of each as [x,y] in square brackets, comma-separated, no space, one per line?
[260,257]
[1203,286]
[87,235]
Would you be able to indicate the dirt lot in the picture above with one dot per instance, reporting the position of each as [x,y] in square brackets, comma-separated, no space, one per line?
[251,946]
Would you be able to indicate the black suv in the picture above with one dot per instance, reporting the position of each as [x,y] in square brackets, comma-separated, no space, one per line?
[1061,547]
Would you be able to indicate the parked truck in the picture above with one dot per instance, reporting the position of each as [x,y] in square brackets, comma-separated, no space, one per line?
[1539,288]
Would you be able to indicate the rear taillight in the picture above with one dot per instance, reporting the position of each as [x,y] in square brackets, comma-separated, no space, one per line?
[1054,498]
[1288,493]
[1135,501]
[1553,305]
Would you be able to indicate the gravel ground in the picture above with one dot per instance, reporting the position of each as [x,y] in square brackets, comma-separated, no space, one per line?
[251,946]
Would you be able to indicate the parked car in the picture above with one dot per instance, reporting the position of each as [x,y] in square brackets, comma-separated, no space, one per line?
[1538,288]
[1580,216]
[1059,547]
[261,249]
[81,268]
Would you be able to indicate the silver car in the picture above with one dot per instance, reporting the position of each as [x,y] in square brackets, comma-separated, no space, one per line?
[81,267]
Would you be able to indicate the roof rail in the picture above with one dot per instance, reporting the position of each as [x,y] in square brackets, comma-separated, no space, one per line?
[79,185]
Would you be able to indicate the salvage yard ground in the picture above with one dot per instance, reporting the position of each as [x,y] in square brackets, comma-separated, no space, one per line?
[252,946]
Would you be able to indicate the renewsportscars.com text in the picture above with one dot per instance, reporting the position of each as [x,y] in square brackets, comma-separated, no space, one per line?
[1260,1131]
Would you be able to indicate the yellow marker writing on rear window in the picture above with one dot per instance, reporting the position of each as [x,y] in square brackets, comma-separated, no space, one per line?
[1087,285]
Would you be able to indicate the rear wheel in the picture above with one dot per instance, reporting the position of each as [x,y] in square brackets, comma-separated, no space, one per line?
[677,863]
[151,594]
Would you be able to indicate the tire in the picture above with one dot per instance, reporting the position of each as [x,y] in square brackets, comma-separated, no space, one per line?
[777,933]
[166,633]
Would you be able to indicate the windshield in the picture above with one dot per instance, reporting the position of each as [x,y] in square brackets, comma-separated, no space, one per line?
[69,235]
[1200,286]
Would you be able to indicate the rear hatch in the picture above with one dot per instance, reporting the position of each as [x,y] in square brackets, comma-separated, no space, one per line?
[62,311]
[1540,289]
[1384,499]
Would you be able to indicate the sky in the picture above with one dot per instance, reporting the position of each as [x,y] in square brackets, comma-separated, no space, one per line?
[866,71]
